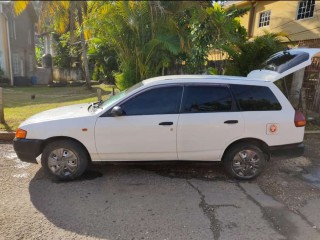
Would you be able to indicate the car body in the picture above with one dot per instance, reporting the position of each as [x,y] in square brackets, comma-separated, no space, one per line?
[239,120]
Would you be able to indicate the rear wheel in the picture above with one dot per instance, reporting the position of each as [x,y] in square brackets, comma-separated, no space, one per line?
[64,159]
[244,161]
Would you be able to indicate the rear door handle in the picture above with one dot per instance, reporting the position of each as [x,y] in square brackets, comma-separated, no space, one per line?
[231,121]
[166,123]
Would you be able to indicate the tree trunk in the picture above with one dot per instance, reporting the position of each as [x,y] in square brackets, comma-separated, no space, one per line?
[84,50]
[85,60]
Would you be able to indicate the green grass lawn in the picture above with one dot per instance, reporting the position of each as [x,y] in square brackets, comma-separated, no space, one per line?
[19,105]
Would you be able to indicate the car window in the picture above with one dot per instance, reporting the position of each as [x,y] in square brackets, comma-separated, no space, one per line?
[162,100]
[283,61]
[255,98]
[120,95]
[206,99]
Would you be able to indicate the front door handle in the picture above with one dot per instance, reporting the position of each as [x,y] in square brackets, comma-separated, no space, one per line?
[231,121]
[166,123]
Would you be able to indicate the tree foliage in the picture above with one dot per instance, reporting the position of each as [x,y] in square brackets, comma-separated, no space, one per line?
[128,41]
[144,35]
[103,60]
[246,56]
[212,28]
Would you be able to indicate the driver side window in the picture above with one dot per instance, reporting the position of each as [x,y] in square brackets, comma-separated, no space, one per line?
[161,100]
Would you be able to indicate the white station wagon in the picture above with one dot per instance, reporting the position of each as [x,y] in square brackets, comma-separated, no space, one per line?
[237,120]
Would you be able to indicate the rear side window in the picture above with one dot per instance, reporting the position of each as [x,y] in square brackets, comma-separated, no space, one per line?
[255,98]
[197,99]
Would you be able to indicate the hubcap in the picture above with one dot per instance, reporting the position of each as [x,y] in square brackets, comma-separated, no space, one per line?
[62,162]
[246,163]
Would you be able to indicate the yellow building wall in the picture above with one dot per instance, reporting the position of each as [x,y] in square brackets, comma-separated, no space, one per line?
[283,18]
[244,20]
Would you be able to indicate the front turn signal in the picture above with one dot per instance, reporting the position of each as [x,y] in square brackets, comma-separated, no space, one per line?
[20,133]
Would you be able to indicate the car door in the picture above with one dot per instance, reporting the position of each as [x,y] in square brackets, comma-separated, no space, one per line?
[145,131]
[208,122]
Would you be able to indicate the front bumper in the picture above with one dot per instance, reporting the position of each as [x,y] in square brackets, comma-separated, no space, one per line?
[289,150]
[27,149]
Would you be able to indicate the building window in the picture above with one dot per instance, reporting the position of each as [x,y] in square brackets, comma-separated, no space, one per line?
[264,19]
[305,9]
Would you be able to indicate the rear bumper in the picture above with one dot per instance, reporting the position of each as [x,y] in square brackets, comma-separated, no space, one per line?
[27,149]
[290,150]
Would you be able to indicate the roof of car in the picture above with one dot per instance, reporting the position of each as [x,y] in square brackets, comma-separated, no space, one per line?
[204,78]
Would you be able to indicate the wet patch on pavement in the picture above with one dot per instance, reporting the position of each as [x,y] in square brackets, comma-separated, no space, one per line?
[90,175]
[188,170]
[312,175]
[87,175]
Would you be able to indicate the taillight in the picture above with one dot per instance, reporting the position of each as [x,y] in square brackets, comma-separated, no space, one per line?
[299,119]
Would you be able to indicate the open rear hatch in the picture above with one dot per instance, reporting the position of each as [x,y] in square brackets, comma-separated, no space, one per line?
[284,63]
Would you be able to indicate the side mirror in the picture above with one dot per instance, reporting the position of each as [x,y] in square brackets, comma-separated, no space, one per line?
[116,111]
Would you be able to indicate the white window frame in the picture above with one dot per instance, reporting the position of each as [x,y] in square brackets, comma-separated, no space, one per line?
[264,18]
[303,4]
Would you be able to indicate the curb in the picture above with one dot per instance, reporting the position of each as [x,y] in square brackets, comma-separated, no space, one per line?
[7,136]
[314,131]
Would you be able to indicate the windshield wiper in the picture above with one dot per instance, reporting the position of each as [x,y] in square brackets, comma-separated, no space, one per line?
[95,104]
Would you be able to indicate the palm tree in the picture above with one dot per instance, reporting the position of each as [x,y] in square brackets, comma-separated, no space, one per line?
[247,55]
[144,35]
[63,16]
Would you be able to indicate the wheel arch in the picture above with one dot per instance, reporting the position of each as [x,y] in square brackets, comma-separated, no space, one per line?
[58,138]
[254,141]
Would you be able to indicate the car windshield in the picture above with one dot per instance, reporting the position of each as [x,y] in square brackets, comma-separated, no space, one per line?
[119,95]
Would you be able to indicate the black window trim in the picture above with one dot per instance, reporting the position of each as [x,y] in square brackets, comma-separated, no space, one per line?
[107,113]
[234,105]
[238,103]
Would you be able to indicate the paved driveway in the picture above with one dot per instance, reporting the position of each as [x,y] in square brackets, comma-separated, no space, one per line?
[161,201]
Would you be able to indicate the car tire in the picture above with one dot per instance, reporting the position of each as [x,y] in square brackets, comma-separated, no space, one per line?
[64,159]
[244,161]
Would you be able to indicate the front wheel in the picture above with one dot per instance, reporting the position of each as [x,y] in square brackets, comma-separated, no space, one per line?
[244,161]
[64,159]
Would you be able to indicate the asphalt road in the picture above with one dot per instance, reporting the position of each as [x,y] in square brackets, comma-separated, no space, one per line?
[162,201]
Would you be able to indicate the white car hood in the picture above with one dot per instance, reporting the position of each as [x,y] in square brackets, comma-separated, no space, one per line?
[72,111]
